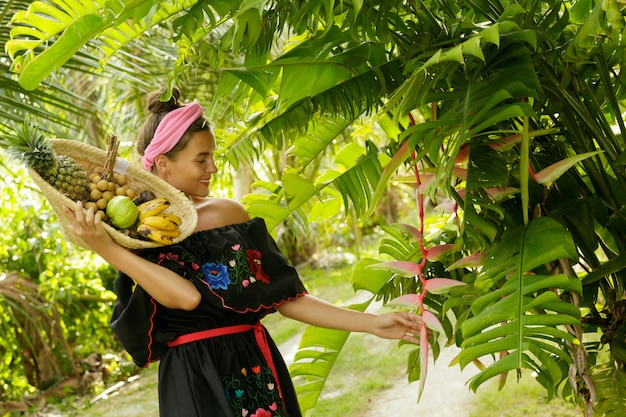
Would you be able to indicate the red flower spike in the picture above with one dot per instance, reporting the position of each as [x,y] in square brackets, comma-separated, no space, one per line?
[463,156]
[426,180]
[423,359]
[506,143]
[413,230]
[410,301]
[448,206]
[550,174]
[432,321]
[471,261]
[399,267]
[441,285]
[460,173]
[436,252]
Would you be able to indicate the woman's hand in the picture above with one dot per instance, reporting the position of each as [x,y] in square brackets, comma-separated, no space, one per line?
[88,227]
[399,325]
[167,287]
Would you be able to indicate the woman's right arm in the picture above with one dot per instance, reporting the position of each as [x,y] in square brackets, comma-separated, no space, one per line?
[167,287]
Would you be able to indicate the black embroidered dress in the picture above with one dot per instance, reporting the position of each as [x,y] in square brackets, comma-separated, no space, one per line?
[236,369]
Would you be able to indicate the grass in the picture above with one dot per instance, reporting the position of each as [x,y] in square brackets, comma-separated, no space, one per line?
[519,399]
[363,369]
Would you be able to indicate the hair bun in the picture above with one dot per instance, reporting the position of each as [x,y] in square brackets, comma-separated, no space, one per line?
[155,105]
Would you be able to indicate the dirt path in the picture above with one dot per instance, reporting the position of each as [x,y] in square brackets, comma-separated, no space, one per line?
[445,393]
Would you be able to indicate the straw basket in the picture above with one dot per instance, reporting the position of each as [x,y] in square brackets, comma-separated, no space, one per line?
[93,159]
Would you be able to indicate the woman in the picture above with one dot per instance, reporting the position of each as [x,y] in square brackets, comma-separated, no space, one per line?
[198,304]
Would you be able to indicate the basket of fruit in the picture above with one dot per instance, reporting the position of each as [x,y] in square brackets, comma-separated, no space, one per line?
[139,209]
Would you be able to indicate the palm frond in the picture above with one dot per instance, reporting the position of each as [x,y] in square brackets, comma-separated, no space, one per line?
[333,107]
[62,28]
[522,316]
[610,383]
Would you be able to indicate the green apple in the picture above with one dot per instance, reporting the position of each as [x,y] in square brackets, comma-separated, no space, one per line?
[122,212]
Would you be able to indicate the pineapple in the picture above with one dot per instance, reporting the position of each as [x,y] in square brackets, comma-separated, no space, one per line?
[30,147]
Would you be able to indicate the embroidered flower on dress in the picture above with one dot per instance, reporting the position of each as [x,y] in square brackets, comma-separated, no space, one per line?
[254,388]
[169,256]
[216,275]
[261,413]
[254,262]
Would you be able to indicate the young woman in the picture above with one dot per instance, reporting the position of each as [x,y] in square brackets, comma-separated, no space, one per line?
[197,305]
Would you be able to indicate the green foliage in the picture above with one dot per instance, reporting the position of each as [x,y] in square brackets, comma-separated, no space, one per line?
[520,313]
[477,97]
[54,298]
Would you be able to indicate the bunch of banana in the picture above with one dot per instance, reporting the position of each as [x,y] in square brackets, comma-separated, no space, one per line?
[156,225]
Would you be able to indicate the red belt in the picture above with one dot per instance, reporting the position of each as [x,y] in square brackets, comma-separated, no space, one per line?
[259,335]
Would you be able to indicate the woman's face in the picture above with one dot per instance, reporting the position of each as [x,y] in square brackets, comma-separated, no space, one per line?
[192,167]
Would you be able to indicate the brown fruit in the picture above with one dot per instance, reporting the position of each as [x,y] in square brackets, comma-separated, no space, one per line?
[119,178]
[95,195]
[108,195]
[102,185]
[102,204]
[146,195]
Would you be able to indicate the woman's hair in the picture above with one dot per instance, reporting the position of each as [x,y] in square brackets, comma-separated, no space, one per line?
[158,110]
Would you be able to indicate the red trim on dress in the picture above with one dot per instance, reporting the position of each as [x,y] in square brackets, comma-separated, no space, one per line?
[259,335]
[154,310]
[253,310]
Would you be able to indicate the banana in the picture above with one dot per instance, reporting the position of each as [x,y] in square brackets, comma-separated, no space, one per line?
[171,233]
[172,217]
[160,222]
[154,234]
[152,207]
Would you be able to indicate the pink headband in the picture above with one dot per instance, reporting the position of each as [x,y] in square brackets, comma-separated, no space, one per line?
[169,131]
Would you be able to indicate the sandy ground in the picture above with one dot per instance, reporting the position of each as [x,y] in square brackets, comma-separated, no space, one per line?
[445,393]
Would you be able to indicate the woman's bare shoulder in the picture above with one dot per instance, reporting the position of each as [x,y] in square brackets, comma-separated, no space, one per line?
[218,212]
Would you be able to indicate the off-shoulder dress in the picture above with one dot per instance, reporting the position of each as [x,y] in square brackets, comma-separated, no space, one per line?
[217,360]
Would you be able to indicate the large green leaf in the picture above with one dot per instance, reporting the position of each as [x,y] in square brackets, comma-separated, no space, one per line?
[66,26]
[611,388]
[522,316]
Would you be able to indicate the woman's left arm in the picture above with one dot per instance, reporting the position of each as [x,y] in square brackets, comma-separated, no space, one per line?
[316,312]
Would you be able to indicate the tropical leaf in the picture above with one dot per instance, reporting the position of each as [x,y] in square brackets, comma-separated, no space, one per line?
[523,316]
[611,387]
[357,183]
[322,113]
[67,26]
[319,348]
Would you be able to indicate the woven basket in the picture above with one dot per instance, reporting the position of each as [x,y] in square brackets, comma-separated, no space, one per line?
[92,159]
